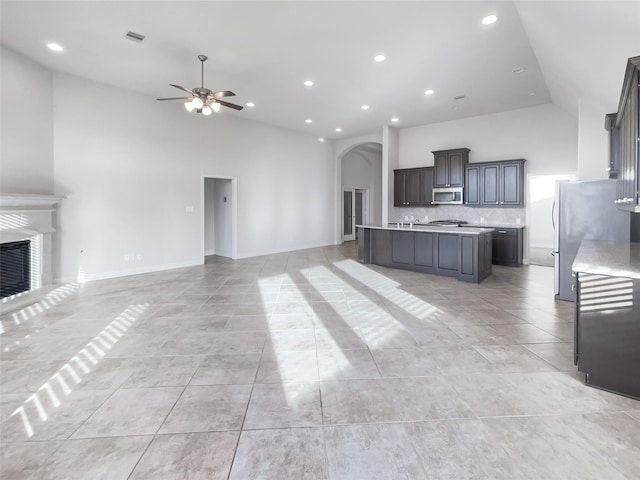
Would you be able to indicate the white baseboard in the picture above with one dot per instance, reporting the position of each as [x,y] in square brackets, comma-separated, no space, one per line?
[131,271]
[260,253]
[209,252]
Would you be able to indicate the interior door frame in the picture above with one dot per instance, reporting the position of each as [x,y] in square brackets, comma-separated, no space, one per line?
[234,213]
[352,236]
[365,204]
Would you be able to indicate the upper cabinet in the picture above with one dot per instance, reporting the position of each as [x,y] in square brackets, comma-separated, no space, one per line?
[413,187]
[495,184]
[449,167]
[624,130]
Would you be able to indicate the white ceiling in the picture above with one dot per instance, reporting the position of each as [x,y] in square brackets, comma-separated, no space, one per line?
[263,51]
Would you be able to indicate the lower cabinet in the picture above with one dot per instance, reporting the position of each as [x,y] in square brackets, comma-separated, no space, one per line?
[466,257]
[607,332]
[507,246]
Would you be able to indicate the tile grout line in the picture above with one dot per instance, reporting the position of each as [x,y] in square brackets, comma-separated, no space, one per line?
[255,377]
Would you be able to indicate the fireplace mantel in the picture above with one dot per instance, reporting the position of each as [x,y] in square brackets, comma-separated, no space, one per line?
[31,217]
[20,201]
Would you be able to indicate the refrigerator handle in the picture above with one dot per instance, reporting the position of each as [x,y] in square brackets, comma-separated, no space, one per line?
[553,211]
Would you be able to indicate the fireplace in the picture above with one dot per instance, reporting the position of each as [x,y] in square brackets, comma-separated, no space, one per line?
[15,268]
[26,231]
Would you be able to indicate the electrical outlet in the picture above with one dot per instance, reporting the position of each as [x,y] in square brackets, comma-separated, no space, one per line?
[481,219]
[518,221]
[189,209]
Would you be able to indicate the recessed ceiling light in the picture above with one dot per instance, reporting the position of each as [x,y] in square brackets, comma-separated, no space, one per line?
[380,58]
[395,119]
[250,104]
[321,139]
[518,70]
[308,83]
[308,120]
[489,19]
[338,129]
[55,47]
[531,94]
[365,107]
[429,92]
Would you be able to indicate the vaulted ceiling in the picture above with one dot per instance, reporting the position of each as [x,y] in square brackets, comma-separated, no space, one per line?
[264,51]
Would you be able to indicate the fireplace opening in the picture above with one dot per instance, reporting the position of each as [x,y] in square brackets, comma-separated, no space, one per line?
[15,268]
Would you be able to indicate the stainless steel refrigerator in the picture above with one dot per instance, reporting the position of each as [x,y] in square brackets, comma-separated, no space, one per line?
[583,210]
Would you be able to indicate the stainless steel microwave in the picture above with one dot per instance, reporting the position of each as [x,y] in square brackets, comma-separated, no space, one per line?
[447,196]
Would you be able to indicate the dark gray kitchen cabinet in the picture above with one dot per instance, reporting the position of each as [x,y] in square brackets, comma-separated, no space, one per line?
[624,129]
[495,184]
[507,246]
[490,194]
[399,188]
[510,188]
[426,185]
[413,187]
[449,167]
[472,185]
[607,332]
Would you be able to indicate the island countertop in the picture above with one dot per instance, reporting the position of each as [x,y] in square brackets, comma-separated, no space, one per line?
[432,228]
[604,258]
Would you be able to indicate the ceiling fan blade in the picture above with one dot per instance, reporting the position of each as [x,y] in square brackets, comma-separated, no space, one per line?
[181,88]
[230,105]
[174,98]
[226,93]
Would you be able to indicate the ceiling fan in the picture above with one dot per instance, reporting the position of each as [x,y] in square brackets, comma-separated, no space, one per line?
[203,100]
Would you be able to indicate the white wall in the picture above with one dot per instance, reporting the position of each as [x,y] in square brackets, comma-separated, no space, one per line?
[129,166]
[222,217]
[545,135]
[26,133]
[593,141]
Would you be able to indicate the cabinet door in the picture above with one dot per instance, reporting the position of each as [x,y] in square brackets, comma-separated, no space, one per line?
[441,167]
[412,190]
[511,184]
[399,188]
[456,170]
[489,189]
[472,185]
[426,185]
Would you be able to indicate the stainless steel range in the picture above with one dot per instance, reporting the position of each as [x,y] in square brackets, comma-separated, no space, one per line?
[448,223]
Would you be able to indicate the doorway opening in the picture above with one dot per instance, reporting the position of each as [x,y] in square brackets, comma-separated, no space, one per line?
[541,233]
[219,213]
[354,212]
[359,190]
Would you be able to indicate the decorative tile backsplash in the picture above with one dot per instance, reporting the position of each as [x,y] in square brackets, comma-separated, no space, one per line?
[502,216]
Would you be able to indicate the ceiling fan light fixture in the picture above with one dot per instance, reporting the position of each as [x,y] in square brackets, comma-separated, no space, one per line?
[206,110]
[215,106]
[197,103]
[189,106]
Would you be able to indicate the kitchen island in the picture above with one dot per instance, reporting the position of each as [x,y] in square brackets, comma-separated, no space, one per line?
[607,326]
[461,252]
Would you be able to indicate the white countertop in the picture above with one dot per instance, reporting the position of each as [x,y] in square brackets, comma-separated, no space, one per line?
[604,258]
[432,228]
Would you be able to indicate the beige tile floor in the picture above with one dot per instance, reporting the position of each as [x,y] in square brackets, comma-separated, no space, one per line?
[305,365]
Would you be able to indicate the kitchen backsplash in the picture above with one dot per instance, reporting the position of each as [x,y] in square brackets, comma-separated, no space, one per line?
[502,216]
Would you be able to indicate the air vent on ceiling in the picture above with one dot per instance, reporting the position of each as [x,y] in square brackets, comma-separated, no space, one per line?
[134,37]
[459,97]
